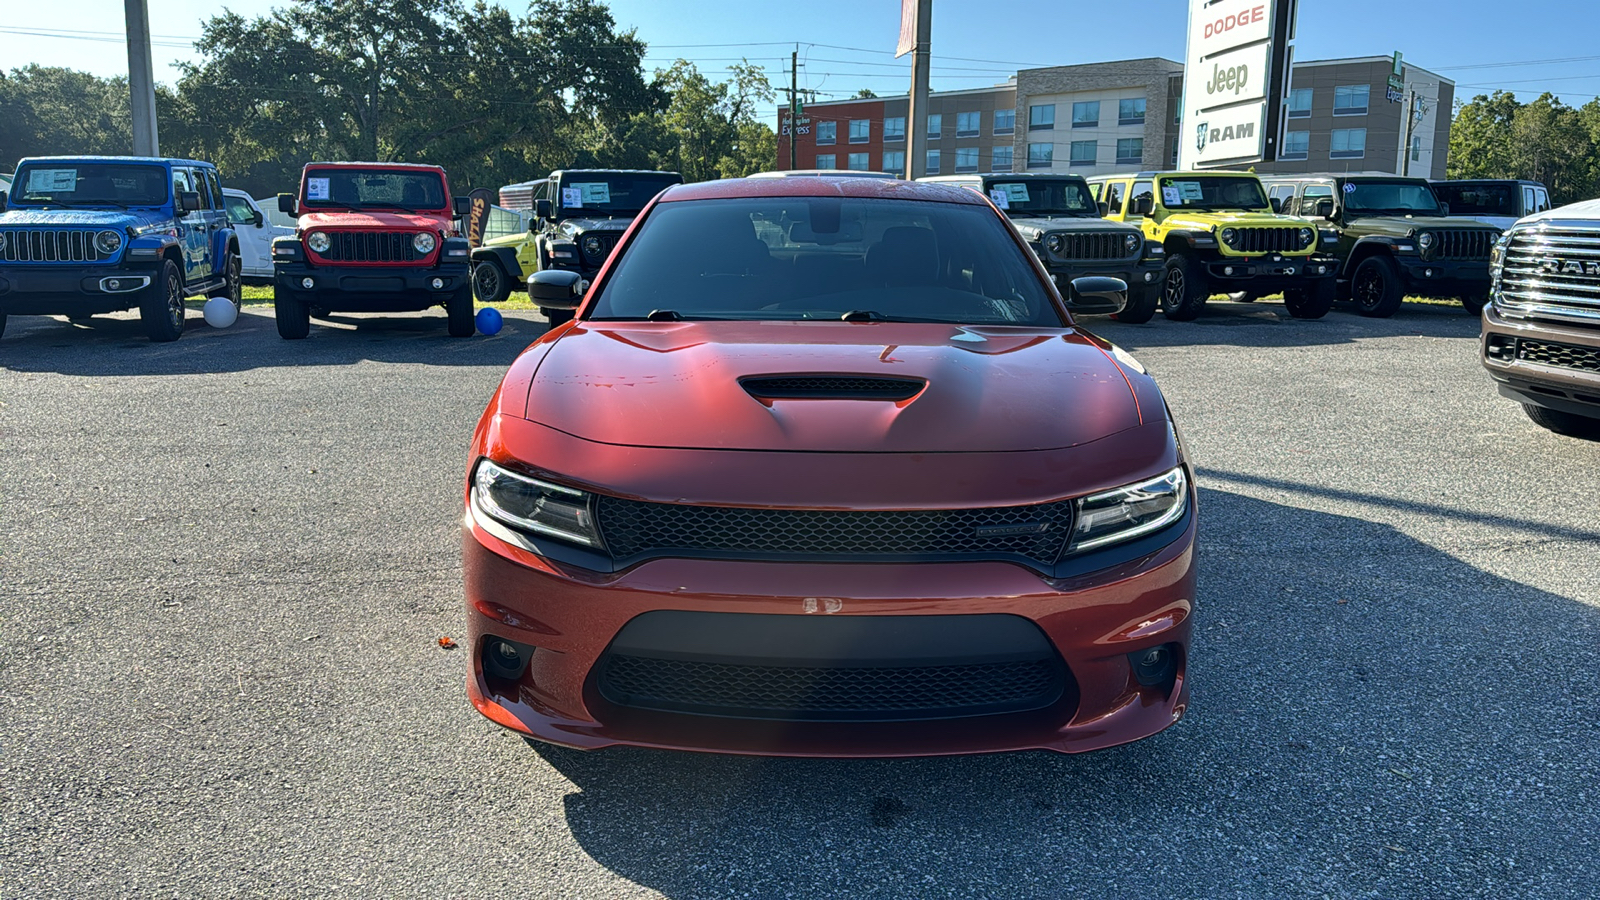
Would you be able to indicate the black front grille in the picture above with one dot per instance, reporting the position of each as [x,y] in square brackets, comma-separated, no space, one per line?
[838,387]
[1032,534]
[371,247]
[1463,244]
[1565,356]
[39,245]
[1104,245]
[1267,240]
[819,692]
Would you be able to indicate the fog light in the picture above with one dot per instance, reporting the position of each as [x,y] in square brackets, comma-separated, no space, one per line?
[437,283]
[1228,270]
[1149,276]
[114,284]
[308,283]
[504,659]
[1427,273]
[1155,666]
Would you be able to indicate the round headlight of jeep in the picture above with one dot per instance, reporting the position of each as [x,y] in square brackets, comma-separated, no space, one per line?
[1425,241]
[1054,243]
[108,242]
[1307,236]
[1131,241]
[592,246]
[424,242]
[2,241]
[1229,235]
[318,242]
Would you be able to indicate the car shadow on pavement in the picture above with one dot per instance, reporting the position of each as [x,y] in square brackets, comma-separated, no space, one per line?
[116,344]
[1268,324]
[1371,717]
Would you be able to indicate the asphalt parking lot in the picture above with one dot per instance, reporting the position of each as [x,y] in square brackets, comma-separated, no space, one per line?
[225,564]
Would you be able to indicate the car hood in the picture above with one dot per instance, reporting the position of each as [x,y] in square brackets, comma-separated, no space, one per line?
[1042,224]
[81,218]
[374,220]
[677,384]
[1400,226]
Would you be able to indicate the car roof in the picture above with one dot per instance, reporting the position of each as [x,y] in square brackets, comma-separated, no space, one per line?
[1527,181]
[889,189]
[1012,176]
[823,173]
[556,172]
[1341,176]
[160,160]
[421,167]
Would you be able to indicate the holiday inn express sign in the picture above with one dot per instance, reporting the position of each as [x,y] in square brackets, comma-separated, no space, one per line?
[1234,81]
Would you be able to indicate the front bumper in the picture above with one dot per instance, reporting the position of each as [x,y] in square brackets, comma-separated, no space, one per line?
[1270,273]
[372,288]
[1542,363]
[72,290]
[1445,277]
[571,617]
[1140,274]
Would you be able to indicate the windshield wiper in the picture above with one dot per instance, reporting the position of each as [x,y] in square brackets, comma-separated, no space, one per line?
[863,315]
[663,315]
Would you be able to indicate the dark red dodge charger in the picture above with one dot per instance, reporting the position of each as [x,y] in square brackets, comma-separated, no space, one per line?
[824,467]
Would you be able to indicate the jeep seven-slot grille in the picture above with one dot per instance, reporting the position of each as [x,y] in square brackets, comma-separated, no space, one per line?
[1552,271]
[1463,244]
[38,245]
[1267,240]
[881,693]
[638,529]
[370,247]
[1104,245]
[1564,356]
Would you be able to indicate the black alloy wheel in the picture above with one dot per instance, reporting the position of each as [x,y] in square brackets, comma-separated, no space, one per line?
[489,282]
[161,308]
[1375,287]
[233,283]
[1183,289]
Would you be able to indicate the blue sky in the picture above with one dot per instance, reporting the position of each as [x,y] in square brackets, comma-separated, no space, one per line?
[1547,45]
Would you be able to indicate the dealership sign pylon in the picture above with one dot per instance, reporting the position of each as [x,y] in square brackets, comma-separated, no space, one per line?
[1235,77]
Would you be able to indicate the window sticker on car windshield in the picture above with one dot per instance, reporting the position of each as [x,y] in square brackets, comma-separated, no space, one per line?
[51,180]
[1190,191]
[1000,199]
[317,189]
[572,198]
[1170,196]
[1018,193]
[595,193]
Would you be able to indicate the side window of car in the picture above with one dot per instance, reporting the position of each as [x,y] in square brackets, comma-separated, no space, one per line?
[1094,190]
[199,180]
[1284,194]
[239,211]
[1143,190]
[1310,196]
[181,183]
[1115,193]
[1541,200]
[218,201]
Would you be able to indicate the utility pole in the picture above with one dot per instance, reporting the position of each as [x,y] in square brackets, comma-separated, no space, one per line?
[1415,109]
[141,79]
[917,107]
[794,100]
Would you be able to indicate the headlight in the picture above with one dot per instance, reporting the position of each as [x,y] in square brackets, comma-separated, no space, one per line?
[1497,262]
[424,242]
[1129,512]
[1054,243]
[592,246]
[1307,236]
[1425,241]
[2,241]
[528,504]
[1229,235]
[108,242]
[318,242]
[1132,242]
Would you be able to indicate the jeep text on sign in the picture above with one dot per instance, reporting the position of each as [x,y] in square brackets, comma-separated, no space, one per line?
[1232,77]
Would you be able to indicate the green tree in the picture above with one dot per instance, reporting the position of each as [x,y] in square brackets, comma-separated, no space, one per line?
[45,110]
[1544,140]
[712,129]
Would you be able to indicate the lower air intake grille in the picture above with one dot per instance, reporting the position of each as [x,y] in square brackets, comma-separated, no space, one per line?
[1565,356]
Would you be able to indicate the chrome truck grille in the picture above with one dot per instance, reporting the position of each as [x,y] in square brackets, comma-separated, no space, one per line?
[1552,273]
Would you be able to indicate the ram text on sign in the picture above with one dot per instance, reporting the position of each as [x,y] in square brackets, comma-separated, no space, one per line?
[1227,134]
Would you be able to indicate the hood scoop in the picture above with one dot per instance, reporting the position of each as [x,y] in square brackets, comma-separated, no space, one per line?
[831,387]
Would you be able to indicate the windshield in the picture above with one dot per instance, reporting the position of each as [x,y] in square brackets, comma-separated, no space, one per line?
[90,184]
[374,189]
[1039,197]
[1405,197]
[821,258]
[1213,192]
[609,193]
[1481,199]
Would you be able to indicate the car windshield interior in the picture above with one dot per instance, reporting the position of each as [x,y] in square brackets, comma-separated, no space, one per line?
[1040,197]
[1390,196]
[826,258]
[1480,199]
[1213,192]
[374,189]
[90,184]
[608,194]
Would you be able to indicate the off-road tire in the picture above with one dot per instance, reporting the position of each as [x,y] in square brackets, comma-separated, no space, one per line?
[1184,288]
[1375,287]
[1560,422]
[557,316]
[233,283]
[293,315]
[1474,304]
[458,314]
[161,308]
[1141,306]
[490,283]
[1310,302]
[1245,296]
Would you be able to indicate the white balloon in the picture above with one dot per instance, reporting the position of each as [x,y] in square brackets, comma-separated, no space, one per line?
[220,312]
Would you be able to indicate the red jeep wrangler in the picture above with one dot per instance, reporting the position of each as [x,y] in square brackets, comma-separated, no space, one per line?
[371,237]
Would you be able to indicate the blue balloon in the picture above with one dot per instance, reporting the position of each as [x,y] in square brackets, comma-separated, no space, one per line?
[489,320]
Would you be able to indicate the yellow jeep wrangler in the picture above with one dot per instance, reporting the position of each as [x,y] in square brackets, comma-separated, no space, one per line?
[1221,235]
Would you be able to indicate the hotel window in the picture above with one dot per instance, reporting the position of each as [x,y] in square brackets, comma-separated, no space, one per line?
[1041,118]
[1130,112]
[1000,161]
[1041,155]
[860,131]
[1005,121]
[894,129]
[966,159]
[935,125]
[933,163]
[967,124]
[1348,143]
[1172,153]
[827,132]
[827,161]
[894,162]
[1086,114]
[1130,150]
[1351,99]
[1084,152]
[1416,149]
[1296,145]
[858,161]
[1300,103]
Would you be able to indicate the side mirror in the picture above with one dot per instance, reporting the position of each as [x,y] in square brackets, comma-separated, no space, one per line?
[286,204]
[1324,208]
[1105,209]
[256,218]
[461,206]
[541,208]
[1096,295]
[1142,206]
[3,198]
[1444,208]
[188,201]
[555,289]
[1277,204]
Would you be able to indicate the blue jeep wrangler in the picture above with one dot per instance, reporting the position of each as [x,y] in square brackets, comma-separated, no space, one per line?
[98,234]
